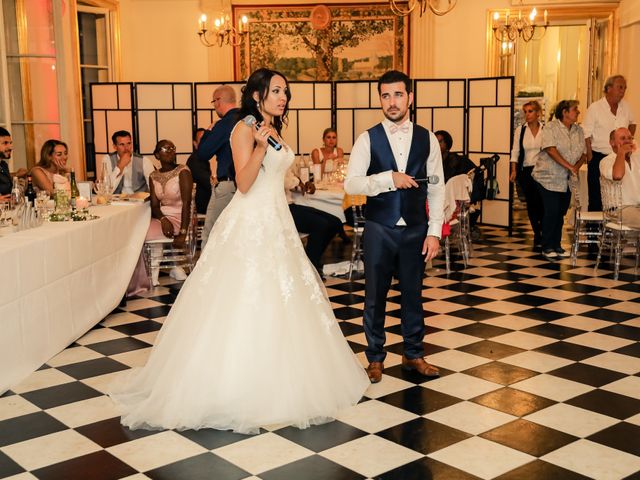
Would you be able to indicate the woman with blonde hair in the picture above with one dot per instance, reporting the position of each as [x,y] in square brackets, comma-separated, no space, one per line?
[524,155]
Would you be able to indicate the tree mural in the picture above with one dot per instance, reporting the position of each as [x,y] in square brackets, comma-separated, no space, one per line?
[285,40]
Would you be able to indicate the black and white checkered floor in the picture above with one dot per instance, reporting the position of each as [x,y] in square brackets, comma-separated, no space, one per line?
[541,380]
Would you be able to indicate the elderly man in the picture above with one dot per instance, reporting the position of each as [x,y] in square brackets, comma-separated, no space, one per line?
[215,141]
[603,116]
[624,164]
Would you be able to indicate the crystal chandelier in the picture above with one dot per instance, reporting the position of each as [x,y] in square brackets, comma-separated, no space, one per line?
[517,26]
[402,8]
[223,32]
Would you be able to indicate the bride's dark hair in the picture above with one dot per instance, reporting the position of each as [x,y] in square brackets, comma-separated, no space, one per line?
[259,82]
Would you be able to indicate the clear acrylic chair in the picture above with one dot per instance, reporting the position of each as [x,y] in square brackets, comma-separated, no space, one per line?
[162,255]
[616,236]
[357,247]
[587,226]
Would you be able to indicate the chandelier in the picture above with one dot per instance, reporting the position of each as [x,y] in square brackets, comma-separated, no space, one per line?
[402,8]
[513,28]
[223,32]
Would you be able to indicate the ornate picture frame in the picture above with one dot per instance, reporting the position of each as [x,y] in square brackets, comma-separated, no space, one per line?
[323,42]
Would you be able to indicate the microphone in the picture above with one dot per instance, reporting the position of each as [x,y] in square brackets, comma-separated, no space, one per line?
[250,120]
[432,179]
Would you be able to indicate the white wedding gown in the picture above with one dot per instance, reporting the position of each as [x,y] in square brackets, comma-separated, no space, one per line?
[251,339]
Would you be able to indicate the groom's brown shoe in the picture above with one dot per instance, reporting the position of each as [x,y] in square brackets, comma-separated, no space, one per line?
[374,371]
[420,366]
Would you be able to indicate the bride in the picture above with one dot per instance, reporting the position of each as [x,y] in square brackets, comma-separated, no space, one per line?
[251,339]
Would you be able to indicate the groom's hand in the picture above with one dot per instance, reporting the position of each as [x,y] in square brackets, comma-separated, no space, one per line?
[402,180]
[431,247]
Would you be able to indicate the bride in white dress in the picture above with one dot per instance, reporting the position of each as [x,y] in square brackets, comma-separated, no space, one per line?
[251,339]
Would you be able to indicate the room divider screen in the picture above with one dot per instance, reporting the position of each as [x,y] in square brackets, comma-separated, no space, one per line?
[477,112]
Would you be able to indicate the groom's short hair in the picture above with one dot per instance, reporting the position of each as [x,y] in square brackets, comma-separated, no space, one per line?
[393,76]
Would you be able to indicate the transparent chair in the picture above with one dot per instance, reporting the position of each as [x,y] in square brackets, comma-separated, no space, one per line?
[357,248]
[587,226]
[616,236]
[459,236]
[457,207]
[162,255]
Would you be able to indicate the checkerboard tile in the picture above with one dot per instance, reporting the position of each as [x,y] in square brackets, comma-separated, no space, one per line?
[540,380]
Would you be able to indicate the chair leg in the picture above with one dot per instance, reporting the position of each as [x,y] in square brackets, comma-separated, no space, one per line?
[576,241]
[447,255]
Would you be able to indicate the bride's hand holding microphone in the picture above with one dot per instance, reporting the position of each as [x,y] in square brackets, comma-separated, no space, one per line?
[261,135]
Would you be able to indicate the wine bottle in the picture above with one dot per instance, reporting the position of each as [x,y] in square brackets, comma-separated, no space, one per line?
[75,193]
[30,192]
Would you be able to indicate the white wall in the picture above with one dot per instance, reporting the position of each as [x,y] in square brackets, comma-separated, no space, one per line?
[159,41]
[629,48]
[460,39]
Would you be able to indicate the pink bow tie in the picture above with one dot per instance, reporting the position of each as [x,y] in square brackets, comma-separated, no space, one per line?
[404,128]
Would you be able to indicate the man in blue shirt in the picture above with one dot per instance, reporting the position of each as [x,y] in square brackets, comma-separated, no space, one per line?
[215,142]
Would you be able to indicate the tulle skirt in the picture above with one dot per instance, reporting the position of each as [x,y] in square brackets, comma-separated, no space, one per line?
[251,339]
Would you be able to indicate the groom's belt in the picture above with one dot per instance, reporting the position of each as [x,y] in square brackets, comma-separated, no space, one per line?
[226,179]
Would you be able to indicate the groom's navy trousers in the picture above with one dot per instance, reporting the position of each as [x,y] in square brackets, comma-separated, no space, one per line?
[388,251]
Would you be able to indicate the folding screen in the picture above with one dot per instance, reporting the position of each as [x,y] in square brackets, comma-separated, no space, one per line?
[112,109]
[477,112]
[164,111]
[490,129]
[440,105]
[357,107]
[309,114]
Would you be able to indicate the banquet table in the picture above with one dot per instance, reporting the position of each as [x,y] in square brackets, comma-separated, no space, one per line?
[328,198]
[60,279]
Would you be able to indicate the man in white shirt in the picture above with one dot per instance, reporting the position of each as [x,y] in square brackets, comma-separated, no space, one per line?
[624,164]
[604,116]
[129,172]
[392,163]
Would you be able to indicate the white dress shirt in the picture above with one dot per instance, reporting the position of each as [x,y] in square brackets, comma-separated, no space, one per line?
[359,183]
[115,174]
[530,144]
[600,121]
[630,183]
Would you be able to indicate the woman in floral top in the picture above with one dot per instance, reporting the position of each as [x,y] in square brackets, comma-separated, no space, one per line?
[563,153]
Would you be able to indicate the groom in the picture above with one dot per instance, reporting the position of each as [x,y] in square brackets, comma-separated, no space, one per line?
[385,163]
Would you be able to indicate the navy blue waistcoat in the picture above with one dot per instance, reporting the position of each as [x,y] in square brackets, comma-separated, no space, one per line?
[387,207]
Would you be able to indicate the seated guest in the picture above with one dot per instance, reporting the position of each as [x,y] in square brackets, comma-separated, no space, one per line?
[201,172]
[321,226]
[129,171]
[452,163]
[329,155]
[170,197]
[6,177]
[50,172]
[624,165]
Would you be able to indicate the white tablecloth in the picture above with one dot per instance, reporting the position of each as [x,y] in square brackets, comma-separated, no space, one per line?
[59,280]
[328,199]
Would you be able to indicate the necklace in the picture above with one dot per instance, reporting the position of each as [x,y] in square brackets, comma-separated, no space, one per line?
[164,177]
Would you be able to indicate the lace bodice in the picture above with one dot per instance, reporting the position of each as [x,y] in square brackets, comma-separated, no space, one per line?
[166,186]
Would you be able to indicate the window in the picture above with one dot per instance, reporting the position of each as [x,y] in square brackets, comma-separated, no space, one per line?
[29,99]
[96,65]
